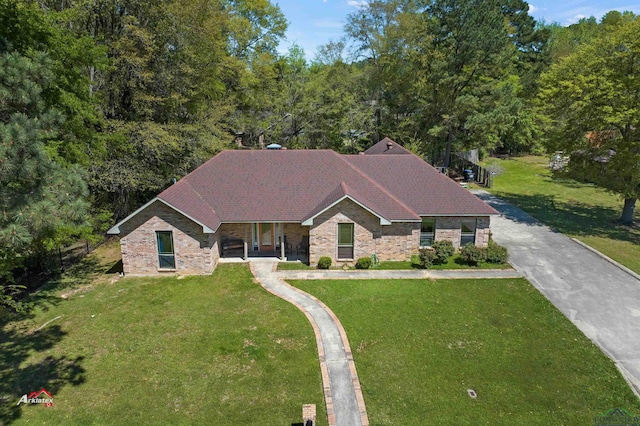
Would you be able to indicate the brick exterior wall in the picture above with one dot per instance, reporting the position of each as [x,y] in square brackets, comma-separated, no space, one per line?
[390,242]
[449,228]
[198,253]
[397,241]
[195,252]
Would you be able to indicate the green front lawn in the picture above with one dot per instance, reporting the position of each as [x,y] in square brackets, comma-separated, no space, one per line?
[419,345]
[579,210]
[215,350]
[292,266]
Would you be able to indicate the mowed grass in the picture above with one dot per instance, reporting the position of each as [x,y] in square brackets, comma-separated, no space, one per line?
[420,345]
[213,350]
[579,210]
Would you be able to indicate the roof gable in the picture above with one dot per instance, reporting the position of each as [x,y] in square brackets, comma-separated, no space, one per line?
[205,229]
[387,146]
[336,196]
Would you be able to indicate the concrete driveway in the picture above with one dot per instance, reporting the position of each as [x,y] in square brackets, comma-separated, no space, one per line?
[600,298]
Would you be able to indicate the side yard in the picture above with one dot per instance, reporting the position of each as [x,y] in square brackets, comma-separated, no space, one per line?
[199,350]
[420,345]
[579,210]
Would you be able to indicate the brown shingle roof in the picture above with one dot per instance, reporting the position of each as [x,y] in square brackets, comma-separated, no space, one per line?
[387,146]
[420,186]
[296,185]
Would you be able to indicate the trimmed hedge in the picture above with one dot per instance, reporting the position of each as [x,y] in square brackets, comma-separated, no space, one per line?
[363,263]
[324,262]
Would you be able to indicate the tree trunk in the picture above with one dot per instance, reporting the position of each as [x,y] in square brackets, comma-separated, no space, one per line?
[447,153]
[627,211]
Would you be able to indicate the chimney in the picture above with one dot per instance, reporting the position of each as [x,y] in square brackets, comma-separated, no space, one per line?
[239,139]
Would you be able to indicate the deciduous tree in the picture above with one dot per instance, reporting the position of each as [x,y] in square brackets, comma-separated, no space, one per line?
[590,98]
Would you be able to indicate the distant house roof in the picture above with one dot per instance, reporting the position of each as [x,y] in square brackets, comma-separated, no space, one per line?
[387,146]
[297,185]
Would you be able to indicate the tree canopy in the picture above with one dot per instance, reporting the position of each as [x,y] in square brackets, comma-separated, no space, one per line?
[103,104]
[590,98]
[37,196]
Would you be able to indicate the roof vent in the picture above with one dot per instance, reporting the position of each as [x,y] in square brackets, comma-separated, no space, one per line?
[274,146]
[389,145]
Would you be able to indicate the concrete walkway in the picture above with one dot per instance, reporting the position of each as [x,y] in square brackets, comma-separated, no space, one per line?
[380,274]
[599,297]
[343,395]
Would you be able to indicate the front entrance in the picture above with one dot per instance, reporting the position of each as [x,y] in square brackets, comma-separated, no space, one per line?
[266,236]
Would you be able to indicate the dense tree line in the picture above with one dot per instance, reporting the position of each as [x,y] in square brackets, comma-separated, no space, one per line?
[104,102]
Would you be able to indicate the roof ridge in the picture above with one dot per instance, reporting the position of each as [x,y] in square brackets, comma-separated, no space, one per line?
[330,197]
[384,190]
[185,181]
[204,201]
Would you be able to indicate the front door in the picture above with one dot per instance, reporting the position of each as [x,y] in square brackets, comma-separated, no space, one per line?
[266,236]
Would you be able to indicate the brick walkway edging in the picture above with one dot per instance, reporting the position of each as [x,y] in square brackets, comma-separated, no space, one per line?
[323,365]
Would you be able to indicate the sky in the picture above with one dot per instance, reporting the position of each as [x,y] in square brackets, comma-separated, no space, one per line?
[313,23]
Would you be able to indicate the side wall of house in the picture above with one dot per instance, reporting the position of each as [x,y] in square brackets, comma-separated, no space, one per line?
[195,252]
[449,228]
[397,241]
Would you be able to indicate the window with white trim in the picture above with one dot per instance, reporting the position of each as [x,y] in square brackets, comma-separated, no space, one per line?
[467,232]
[166,253]
[345,241]
[427,232]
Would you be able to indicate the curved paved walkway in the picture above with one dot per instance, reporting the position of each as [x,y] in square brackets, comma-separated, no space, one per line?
[599,297]
[343,396]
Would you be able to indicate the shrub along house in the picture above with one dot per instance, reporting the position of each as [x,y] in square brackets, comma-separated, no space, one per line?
[386,201]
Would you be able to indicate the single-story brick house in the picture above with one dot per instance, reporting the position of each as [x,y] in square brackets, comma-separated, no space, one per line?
[386,201]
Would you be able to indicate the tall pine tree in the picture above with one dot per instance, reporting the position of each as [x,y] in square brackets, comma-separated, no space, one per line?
[37,196]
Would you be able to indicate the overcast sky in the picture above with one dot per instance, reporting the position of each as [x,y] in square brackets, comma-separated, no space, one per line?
[315,22]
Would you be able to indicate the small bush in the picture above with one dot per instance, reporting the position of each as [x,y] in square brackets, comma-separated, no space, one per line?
[495,253]
[426,257]
[324,262]
[363,263]
[472,255]
[443,251]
